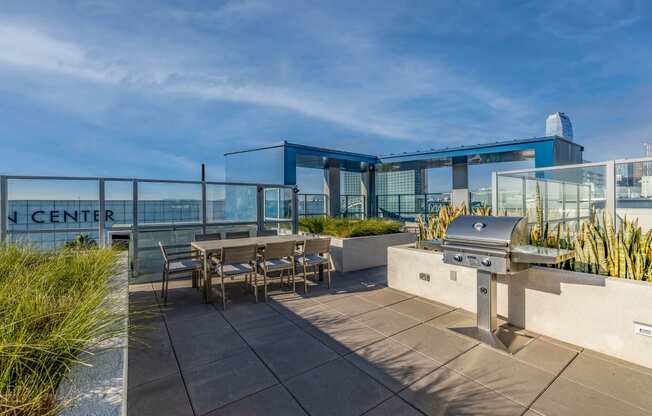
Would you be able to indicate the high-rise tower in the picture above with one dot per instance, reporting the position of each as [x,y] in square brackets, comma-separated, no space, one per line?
[558,124]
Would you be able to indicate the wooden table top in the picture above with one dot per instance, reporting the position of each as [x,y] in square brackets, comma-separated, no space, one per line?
[216,245]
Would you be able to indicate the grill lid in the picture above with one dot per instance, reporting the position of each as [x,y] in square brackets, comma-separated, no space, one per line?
[476,229]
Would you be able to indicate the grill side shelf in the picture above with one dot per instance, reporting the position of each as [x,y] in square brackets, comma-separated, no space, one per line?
[540,255]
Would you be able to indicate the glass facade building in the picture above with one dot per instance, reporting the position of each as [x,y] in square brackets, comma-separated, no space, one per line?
[559,124]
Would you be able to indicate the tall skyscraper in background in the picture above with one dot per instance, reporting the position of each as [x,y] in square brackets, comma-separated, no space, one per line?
[558,124]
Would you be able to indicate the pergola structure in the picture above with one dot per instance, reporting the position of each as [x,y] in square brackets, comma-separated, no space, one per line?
[278,163]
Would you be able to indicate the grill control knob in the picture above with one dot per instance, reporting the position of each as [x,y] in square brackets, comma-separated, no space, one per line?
[486,262]
[458,258]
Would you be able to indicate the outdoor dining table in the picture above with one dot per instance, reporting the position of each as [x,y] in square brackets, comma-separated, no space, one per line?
[214,247]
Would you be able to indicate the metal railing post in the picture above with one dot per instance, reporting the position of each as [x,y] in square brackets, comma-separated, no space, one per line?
[204,205]
[4,208]
[295,211]
[260,209]
[102,220]
[494,192]
[134,227]
[610,196]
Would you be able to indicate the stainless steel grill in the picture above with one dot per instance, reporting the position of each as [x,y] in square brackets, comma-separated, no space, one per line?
[493,246]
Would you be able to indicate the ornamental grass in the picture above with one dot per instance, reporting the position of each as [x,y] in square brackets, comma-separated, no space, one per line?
[54,307]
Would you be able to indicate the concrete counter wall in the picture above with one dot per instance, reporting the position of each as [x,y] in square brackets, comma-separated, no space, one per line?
[587,310]
[357,253]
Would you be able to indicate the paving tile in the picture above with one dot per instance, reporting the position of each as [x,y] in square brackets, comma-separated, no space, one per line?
[518,381]
[565,397]
[328,296]
[318,315]
[438,344]
[202,347]
[387,321]
[214,385]
[177,312]
[345,335]
[616,360]
[238,315]
[337,388]
[150,357]
[267,330]
[162,397]
[420,310]
[293,355]
[272,401]
[563,344]
[392,364]
[352,306]
[290,303]
[455,319]
[546,356]
[444,392]
[612,379]
[394,407]
[384,296]
[196,325]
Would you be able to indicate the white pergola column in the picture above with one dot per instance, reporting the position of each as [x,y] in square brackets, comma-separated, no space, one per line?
[460,192]
[332,189]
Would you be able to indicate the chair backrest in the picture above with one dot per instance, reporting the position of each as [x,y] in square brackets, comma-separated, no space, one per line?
[237,234]
[208,237]
[267,233]
[317,246]
[239,254]
[163,251]
[279,250]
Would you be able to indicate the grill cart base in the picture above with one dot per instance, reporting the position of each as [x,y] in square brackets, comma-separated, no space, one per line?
[487,331]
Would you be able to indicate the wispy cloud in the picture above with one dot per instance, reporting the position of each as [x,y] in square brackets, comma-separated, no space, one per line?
[372,107]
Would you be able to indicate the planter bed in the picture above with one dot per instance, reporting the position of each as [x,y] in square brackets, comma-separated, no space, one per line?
[357,253]
[591,311]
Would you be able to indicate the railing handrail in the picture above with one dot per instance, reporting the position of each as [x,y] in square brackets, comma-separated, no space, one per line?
[143,180]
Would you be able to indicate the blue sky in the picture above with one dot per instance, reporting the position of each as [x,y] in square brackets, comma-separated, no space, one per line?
[154,88]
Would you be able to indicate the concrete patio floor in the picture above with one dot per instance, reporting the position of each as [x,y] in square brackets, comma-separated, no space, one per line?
[359,348]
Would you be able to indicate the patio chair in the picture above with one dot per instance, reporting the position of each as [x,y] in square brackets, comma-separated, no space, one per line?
[235,261]
[277,257]
[316,252]
[178,263]
[208,237]
[230,235]
[267,233]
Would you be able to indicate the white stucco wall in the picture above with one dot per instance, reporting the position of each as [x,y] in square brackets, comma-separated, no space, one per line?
[583,309]
[357,253]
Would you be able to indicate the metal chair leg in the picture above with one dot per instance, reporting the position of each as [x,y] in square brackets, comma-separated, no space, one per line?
[223,290]
[294,275]
[265,283]
[255,277]
[305,279]
[329,276]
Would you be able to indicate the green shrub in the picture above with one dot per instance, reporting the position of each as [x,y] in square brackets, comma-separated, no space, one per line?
[53,306]
[343,228]
[315,225]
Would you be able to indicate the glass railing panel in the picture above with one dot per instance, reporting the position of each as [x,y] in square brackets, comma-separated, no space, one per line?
[561,194]
[510,195]
[312,204]
[231,203]
[278,203]
[634,192]
[169,203]
[50,212]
